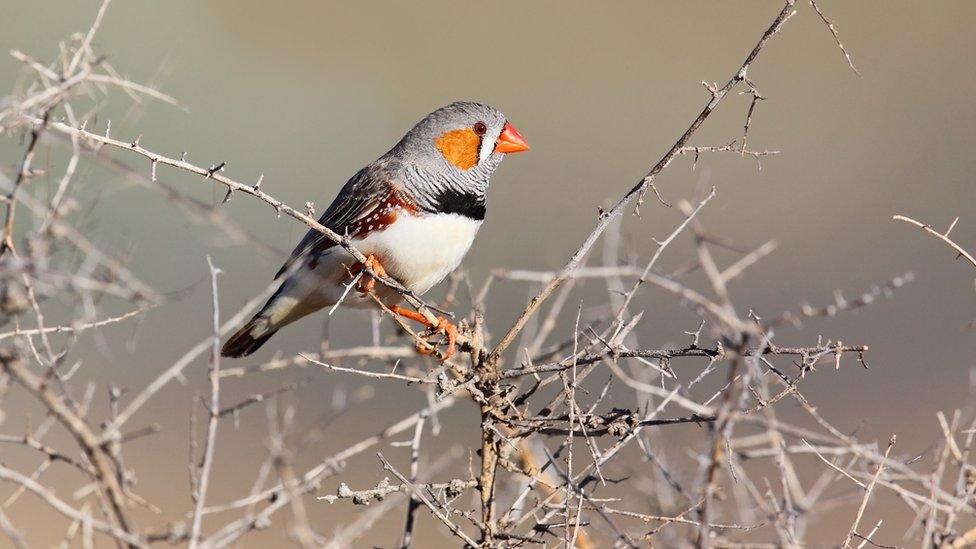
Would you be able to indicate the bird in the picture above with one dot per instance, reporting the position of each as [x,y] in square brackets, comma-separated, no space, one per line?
[413,213]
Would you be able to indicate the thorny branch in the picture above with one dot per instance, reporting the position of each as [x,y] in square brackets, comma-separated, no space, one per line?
[944,237]
[574,430]
[638,190]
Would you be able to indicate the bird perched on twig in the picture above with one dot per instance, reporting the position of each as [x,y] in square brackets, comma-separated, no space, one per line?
[413,213]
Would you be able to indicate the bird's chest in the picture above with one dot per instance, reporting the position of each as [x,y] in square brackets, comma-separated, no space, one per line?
[420,251]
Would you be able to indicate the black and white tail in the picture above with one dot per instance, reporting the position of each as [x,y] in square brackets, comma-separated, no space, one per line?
[249,338]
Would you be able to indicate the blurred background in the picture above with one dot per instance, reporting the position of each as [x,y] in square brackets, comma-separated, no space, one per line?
[308,92]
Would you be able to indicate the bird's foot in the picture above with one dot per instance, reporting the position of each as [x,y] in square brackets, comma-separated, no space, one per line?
[366,281]
[443,326]
[449,330]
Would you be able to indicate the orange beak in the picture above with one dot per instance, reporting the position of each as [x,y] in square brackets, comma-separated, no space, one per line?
[510,141]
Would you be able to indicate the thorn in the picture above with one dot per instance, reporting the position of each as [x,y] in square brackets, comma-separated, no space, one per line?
[153,164]
[951,226]
[230,191]
[257,186]
[712,88]
[214,169]
[108,129]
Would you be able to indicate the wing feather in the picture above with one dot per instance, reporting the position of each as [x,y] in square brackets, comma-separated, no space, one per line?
[363,204]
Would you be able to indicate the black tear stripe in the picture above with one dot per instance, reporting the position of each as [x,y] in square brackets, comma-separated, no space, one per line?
[451,201]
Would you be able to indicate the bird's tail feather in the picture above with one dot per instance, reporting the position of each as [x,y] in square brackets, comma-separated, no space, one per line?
[249,338]
[287,305]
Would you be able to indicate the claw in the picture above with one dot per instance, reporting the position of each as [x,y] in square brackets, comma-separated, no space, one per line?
[367,282]
[443,326]
[449,330]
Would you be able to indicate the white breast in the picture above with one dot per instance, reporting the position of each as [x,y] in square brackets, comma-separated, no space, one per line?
[421,251]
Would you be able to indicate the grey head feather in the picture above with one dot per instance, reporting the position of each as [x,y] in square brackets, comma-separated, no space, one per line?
[435,184]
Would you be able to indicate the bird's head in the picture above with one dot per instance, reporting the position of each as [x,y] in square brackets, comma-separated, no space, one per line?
[462,136]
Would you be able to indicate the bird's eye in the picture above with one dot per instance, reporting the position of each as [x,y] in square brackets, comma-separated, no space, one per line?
[480,128]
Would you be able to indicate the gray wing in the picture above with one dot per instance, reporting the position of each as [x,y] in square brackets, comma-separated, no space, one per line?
[357,200]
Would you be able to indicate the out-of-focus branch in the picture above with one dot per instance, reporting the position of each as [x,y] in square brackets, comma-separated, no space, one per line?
[67,510]
[89,441]
[213,406]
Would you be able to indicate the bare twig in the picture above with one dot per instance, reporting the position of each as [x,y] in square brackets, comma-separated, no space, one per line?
[638,190]
[944,237]
[214,408]
[867,494]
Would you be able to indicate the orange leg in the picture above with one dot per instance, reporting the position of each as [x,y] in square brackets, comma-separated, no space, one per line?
[442,326]
[367,282]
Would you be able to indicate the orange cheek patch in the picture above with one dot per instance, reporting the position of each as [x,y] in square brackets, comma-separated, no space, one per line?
[459,147]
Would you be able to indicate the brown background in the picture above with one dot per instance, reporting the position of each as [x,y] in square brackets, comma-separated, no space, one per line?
[308,92]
